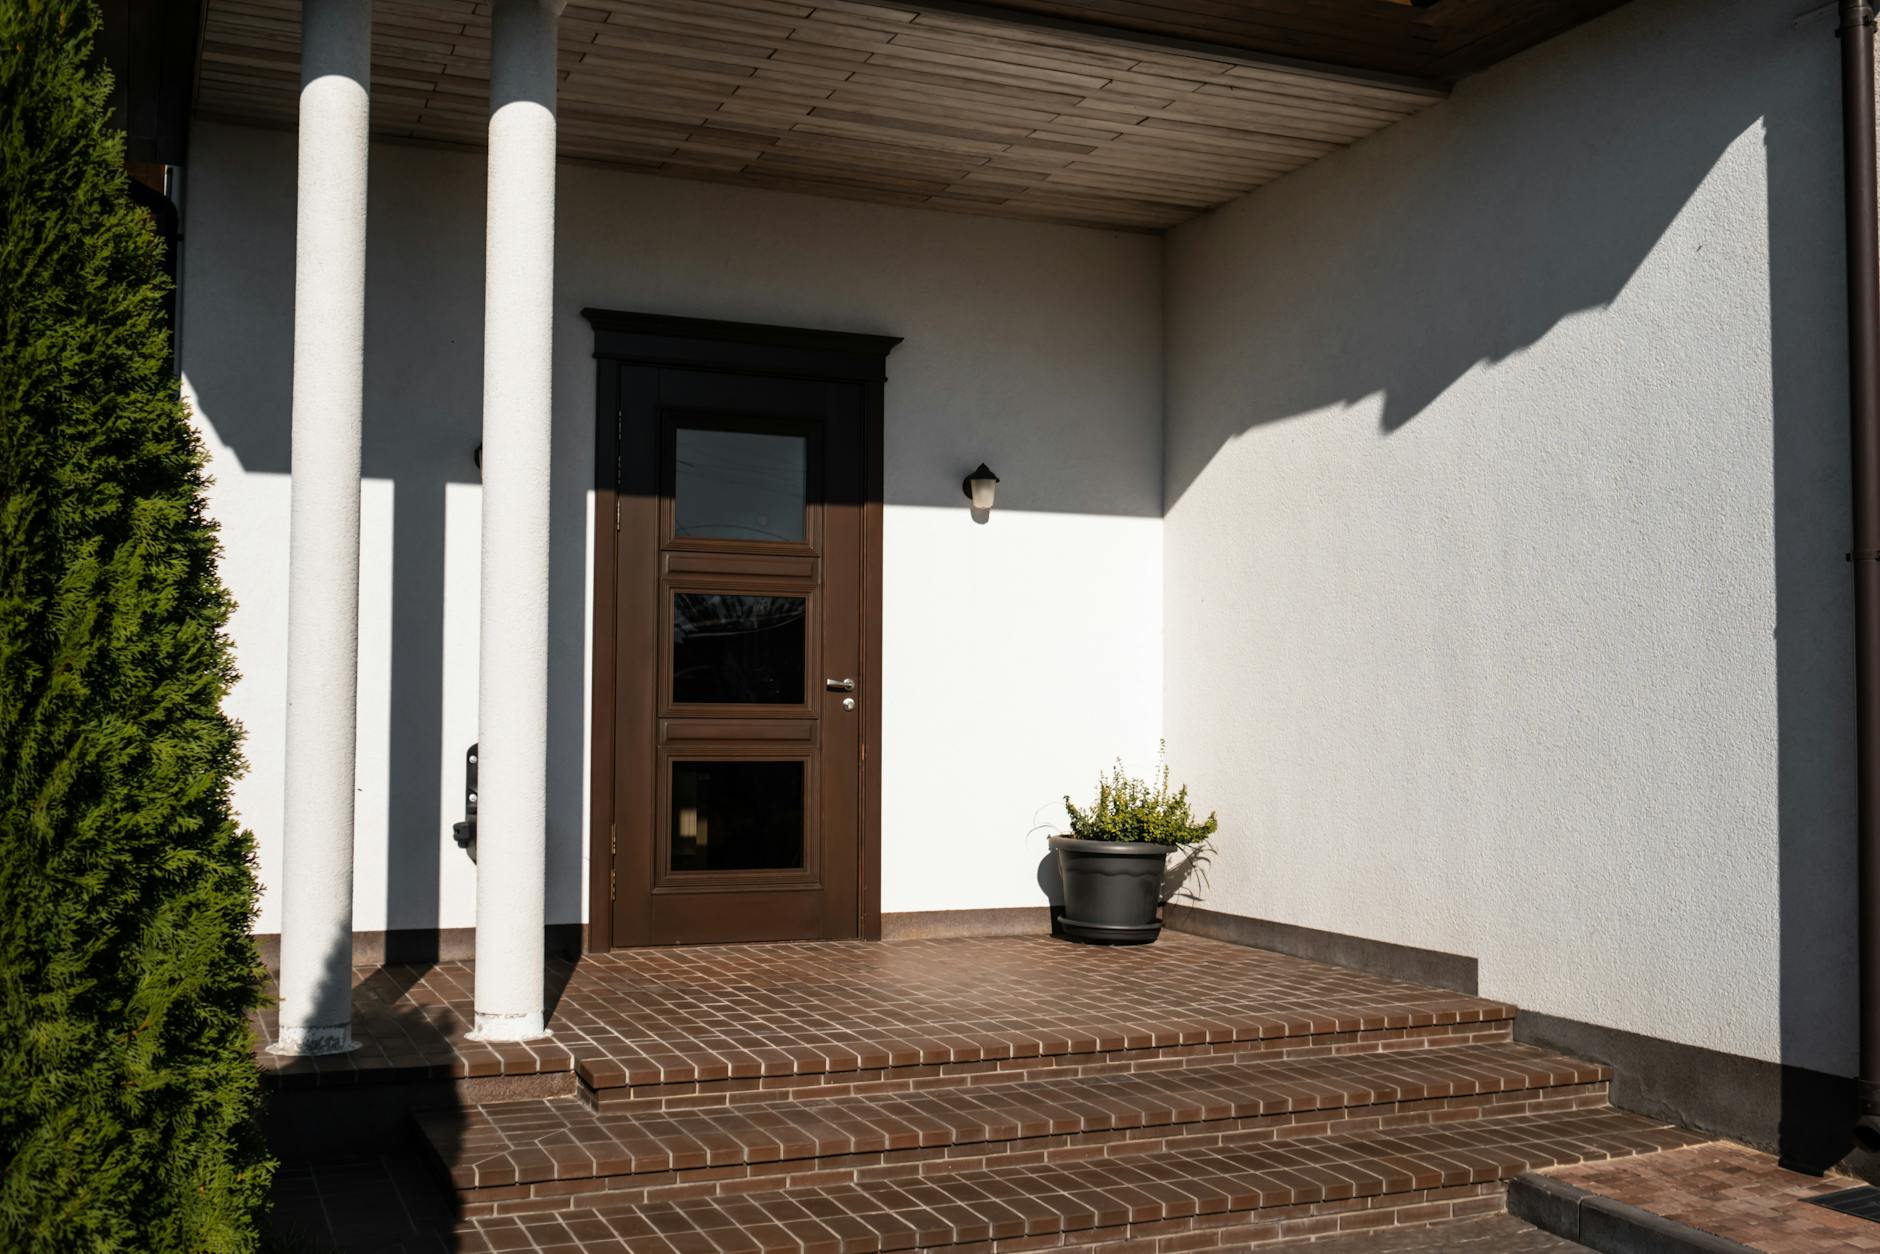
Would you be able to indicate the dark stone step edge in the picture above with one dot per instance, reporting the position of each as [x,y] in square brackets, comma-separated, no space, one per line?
[1607,1225]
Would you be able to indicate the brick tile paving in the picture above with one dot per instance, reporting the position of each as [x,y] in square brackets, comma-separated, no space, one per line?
[381,1206]
[1195,1199]
[1735,1193]
[523,1142]
[841,1098]
[769,1014]
[362,1205]
[1491,1234]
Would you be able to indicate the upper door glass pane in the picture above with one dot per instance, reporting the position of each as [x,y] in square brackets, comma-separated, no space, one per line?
[740,485]
[746,650]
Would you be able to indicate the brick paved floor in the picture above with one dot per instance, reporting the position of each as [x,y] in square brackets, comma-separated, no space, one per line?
[387,1204]
[1491,1234]
[739,1012]
[710,1064]
[1735,1193]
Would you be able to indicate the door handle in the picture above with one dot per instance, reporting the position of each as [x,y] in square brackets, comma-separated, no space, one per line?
[839,685]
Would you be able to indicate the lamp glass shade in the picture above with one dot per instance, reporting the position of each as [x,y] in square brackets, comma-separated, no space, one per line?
[980,486]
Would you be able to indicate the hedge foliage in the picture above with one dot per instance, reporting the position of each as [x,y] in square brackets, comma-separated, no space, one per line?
[128,1090]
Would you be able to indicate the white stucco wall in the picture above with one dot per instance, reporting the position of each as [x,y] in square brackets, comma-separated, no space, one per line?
[1020,655]
[1506,607]
[1499,605]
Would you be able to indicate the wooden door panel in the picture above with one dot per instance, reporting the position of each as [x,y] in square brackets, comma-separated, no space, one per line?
[713,730]
[741,581]
[713,392]
[744,565]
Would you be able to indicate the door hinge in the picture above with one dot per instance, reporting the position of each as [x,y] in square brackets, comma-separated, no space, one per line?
[613,840]
[613,885]
[616,512]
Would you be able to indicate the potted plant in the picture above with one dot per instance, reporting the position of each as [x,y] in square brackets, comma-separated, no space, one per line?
[1112,862]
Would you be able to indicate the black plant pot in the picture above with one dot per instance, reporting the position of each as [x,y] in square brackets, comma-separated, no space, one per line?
[1112,890]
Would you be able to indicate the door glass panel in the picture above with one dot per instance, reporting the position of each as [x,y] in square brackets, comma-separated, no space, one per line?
[737,816]
[746,650]
[740,485]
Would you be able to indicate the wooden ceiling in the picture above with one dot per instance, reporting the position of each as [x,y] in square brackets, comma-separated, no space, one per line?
[1443,40]
[947,104]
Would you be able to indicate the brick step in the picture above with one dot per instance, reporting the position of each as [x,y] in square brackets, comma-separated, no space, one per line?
[670,1027]
[533,1155]
[657,1077]
[1235,1195]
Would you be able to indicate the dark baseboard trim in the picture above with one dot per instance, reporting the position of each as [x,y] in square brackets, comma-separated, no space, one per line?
[1600,1223]
[1803,1117]
[425,944]
[1397,962]
[929,924]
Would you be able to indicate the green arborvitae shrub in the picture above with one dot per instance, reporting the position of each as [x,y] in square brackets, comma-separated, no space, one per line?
[1130,809]
[128,1089]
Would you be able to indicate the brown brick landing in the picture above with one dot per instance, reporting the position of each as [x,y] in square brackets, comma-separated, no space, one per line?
[751,1017]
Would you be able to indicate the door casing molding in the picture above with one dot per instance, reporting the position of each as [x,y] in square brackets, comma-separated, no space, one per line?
[640,339]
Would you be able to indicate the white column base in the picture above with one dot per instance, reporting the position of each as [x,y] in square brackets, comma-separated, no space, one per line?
[522,1027]
[314,1041]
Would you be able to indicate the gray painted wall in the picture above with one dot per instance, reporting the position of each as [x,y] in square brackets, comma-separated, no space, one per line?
[1506,611]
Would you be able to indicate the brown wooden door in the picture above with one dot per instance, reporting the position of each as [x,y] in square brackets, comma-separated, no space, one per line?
[739,656]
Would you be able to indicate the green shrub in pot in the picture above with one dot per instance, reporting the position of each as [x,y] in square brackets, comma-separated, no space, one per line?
[1111,864]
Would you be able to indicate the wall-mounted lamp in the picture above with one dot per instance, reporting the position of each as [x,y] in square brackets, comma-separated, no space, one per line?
[979,487]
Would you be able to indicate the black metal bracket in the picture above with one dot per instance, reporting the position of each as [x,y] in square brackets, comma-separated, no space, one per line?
[465,833]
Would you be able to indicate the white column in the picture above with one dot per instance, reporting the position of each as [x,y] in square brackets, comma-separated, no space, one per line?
[512,694]
[323,528]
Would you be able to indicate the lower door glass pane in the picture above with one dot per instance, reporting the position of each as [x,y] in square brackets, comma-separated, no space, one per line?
[737,816]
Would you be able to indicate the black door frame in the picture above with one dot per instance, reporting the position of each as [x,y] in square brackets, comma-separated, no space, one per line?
[624,339]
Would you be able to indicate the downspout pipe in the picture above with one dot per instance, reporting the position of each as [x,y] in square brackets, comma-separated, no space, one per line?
[1863,358]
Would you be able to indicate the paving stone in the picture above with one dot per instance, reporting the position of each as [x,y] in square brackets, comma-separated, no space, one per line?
[1492,1234]
[1735,1193]
[364,1204]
